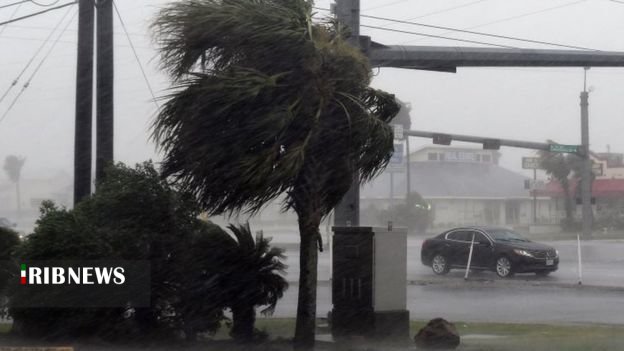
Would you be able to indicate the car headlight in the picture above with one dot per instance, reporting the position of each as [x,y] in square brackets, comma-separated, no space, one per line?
[523,253]
[556,253]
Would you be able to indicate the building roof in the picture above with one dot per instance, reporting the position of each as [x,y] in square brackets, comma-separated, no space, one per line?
[451,180]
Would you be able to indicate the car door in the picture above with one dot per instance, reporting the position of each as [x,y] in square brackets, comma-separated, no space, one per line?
[458,245]
[481,251]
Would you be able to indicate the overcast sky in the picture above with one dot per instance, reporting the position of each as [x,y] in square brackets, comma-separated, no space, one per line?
[528,104]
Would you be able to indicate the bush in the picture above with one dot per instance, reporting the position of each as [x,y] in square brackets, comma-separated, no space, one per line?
[134,215]
[9,240]
[197,269]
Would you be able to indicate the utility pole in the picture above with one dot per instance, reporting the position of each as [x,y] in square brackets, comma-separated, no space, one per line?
[586,170]
[84,102]
[105,78]
[347,213]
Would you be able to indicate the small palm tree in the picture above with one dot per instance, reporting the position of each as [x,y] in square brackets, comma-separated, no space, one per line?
[255,280]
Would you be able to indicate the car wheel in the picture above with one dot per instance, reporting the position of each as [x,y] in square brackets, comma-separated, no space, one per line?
[503,267]
[439,265]
[542,273]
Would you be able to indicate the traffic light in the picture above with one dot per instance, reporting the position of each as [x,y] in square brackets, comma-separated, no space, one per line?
[491,144]
[442,139]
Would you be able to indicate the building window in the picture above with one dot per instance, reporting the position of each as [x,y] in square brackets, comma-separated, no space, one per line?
[478,158]
[432,156]
[442,157]
[486,158]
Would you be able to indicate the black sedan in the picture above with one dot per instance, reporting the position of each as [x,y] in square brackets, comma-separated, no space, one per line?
[498,249]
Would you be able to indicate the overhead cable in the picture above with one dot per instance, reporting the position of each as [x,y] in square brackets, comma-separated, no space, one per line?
[34,73]
[37,13]
[45,42]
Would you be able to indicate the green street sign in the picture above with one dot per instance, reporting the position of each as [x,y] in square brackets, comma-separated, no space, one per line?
[564,148]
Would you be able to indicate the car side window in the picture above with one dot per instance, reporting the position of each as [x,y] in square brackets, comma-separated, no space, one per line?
[479,238]
[459,235]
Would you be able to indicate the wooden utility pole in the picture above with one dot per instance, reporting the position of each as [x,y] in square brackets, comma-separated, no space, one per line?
[105,78]
[84,102]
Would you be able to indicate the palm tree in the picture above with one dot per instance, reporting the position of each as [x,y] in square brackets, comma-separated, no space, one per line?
[13,166]
[255,280]
[267,102]
[229,271]
[561,167]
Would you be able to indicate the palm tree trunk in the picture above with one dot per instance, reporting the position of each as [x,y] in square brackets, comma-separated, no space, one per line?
[567,201]
[19,200]
[309,222]
[243,320]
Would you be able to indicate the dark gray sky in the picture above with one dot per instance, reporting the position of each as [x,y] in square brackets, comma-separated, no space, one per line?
[530,104]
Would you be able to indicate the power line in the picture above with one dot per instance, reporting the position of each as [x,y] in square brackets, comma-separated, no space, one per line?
[386,5]
[37,13]
[123,25]
[32,59]
[438,36]
[514,17]
[10,18]
[13,4]
[477,33]
[34,73]
[448,9]
[45,5]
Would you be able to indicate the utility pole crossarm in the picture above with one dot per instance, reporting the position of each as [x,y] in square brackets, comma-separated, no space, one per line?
[444,58]
[480,140]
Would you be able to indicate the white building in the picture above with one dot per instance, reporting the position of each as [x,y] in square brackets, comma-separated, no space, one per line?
[465,186]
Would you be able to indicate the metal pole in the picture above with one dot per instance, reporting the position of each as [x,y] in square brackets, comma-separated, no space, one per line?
[534,196]
[105,78]
[408,180]
[392,196]
[469,257]
[580,264]
[84,102]
[586,170]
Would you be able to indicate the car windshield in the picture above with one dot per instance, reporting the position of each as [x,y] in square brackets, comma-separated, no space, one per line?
[506,235]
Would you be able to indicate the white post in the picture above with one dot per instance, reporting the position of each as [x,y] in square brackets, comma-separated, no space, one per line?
[469,257]
[580,264]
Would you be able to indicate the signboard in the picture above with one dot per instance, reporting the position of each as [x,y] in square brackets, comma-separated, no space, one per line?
[531,163]
[564,148]
[398,131]
[396,163]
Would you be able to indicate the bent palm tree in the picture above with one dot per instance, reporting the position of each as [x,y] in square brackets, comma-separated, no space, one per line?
[13,166]
[267,102]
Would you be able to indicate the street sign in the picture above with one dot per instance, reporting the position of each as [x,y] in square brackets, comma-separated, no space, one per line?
[564,148]
[398,131]
[396,163]
[531,163]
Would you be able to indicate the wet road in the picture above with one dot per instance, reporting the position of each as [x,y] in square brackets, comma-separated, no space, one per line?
[486,298]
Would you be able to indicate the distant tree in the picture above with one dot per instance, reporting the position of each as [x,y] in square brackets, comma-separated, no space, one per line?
[415,213]
[13,166]
[268,102]
[564,168]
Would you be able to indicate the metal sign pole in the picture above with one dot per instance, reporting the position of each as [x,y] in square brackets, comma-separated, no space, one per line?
[469,257]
